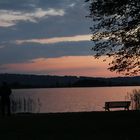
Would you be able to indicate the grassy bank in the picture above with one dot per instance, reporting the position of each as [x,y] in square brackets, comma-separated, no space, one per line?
[116,125]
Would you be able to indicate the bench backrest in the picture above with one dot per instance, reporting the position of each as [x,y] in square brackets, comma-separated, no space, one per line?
[117,104]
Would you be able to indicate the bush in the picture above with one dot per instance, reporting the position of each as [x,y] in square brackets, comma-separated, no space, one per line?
[134,96]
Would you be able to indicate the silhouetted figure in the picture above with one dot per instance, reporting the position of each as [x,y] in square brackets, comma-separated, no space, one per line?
[5,93]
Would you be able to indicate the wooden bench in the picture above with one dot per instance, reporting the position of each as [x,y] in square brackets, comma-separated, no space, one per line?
[117,104]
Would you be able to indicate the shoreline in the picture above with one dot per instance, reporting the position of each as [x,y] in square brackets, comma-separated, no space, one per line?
[78,87]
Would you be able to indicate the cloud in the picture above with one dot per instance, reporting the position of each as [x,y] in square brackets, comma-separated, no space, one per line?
[10,17]
[72,23]
[2,46]
[75,38]
[72,5]
[13,53]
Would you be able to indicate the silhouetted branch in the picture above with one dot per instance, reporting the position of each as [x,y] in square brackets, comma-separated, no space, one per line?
[116,33]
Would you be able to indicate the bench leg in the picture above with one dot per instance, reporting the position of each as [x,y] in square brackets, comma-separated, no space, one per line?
[126,108]
[108,109]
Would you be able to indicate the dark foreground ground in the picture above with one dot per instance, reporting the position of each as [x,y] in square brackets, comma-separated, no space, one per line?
[115,125]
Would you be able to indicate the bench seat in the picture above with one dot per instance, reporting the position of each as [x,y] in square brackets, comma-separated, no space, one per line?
[117,104]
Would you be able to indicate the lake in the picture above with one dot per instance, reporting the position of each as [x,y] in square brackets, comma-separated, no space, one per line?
[71,99]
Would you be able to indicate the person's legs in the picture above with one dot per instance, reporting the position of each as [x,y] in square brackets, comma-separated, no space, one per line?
[8,107]
[3,107]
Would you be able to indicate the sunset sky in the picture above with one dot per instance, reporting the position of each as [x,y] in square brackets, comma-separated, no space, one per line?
[50,37]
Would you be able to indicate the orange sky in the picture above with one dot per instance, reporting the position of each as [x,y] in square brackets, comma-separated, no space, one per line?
[70,65]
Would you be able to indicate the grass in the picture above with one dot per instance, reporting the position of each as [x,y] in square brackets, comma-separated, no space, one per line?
[114,125]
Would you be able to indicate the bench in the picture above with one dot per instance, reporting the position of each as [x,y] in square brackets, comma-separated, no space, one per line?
[117,104]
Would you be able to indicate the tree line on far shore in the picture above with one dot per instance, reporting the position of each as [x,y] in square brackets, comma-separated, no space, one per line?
[46,81]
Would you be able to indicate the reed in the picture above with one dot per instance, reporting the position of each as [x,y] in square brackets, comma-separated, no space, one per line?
[25,104]
[134,96]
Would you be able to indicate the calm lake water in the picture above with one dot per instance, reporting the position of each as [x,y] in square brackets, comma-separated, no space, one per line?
[72,99]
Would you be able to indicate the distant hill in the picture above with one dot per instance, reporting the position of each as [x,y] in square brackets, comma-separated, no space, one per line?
[47,81]
[37,81]
[116,81]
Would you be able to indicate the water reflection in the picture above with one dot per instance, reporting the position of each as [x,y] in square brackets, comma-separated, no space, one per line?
[74,99]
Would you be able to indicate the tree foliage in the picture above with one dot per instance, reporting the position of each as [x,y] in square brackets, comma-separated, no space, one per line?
[116,33]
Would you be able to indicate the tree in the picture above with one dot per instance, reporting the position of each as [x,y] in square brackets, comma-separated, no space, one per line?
[116,33]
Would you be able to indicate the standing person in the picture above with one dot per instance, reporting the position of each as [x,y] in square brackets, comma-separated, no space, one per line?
[5,93]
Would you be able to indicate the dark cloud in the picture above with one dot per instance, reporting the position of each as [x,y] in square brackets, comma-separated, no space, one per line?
[18,5]
[72,23]
[22,53]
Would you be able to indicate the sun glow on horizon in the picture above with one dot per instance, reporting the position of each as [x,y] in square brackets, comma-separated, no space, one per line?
[68,65]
